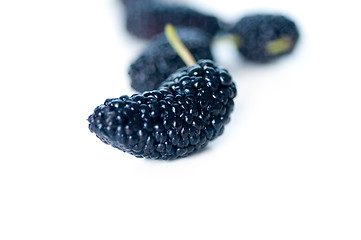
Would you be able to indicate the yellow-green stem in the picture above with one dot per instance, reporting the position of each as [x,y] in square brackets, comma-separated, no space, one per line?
[178,46]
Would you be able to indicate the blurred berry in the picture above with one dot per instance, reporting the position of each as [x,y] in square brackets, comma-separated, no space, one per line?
[149,18]
[264,38]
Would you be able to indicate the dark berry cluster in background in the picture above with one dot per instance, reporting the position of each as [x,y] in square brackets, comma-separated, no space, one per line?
[147,18]
[180,109]
[260,38]
[263,38]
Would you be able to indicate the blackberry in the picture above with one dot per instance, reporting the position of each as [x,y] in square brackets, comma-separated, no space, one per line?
[188,110]
[264,38]
[149,19]
[159,59]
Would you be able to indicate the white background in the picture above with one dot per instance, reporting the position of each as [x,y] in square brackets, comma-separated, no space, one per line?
[287,167]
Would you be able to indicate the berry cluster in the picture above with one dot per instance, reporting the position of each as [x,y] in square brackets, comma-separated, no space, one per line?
[180,109]
[260,38]
[190,108]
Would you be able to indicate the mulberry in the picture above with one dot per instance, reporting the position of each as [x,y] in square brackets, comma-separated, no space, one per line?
[149,19]
[264,38]
[188,110]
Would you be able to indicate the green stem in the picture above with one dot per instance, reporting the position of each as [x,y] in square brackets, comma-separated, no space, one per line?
[178,46]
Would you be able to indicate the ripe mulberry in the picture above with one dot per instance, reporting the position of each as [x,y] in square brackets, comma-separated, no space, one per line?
[264,38]
[188,110]
[149,19]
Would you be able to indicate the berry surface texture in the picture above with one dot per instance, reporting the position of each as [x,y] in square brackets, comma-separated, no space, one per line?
[188,110]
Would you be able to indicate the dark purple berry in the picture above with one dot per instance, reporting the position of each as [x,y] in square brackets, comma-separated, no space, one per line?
[148,19]
[168,123]
[264,38]
[128,4]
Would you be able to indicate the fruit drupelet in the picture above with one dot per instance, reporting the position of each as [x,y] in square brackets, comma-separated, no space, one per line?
[159,60]
[189,109]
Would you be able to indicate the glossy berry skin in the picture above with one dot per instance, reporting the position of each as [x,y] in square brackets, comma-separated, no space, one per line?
[256,31]
[148,20]
[189,109]
[159,60]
